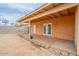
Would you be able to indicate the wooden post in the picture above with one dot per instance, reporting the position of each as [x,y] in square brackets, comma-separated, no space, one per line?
[29,29]
[77,30]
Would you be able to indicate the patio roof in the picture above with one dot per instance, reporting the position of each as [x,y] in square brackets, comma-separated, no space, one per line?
[48,9]
[43,8]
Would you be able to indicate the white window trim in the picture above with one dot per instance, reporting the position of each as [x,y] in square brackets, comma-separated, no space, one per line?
[51,29]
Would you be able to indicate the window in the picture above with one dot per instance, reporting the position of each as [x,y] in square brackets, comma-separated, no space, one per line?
[44,29]
[47,29]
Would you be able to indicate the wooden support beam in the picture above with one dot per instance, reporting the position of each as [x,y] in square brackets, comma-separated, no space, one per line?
[55,15]
[29,30]
[56,9]
[68,12]
[46,17]
[77,30]
[60,14]
[51,15]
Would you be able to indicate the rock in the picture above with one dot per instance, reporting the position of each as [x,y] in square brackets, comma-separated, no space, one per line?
[42,45]
[64,53]
[57,51]
[71,54]
[46,46]
[52,50]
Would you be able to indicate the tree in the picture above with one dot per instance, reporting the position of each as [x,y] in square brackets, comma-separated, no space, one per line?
[5,21]
[12,24]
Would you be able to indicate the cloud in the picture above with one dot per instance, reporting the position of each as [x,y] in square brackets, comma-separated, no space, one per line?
[20,7]
[11,17]
[14,11]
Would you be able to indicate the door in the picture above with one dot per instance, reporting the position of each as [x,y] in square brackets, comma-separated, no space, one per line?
[34,29]
[47,29]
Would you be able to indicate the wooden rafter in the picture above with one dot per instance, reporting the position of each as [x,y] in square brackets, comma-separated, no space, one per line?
[51,15]
[60,14]
[55,15]
[68,13]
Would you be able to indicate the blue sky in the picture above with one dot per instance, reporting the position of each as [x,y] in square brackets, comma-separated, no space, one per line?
[14,11]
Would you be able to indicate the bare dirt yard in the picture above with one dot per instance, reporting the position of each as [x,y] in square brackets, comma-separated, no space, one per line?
[13,45]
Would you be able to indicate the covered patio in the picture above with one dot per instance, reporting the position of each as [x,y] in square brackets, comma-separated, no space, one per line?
[63,20]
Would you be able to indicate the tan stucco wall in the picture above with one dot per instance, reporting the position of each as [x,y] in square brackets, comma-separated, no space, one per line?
[62,27]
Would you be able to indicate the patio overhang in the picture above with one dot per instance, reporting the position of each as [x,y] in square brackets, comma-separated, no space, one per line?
[44,6]
[51,11]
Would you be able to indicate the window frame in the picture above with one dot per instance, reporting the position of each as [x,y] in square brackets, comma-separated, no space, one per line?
[46,24]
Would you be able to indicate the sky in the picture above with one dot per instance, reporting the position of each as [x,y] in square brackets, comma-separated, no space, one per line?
[14,11]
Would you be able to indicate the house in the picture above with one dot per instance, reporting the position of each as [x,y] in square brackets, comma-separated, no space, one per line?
[57,21]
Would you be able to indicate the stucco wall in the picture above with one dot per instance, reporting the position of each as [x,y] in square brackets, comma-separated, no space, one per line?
[62,27]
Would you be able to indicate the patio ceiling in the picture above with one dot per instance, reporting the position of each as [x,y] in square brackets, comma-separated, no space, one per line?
[62,13]
[48,7]
[66,12]
[52,11]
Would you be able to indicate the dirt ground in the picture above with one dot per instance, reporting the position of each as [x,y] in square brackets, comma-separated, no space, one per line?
[13,45]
